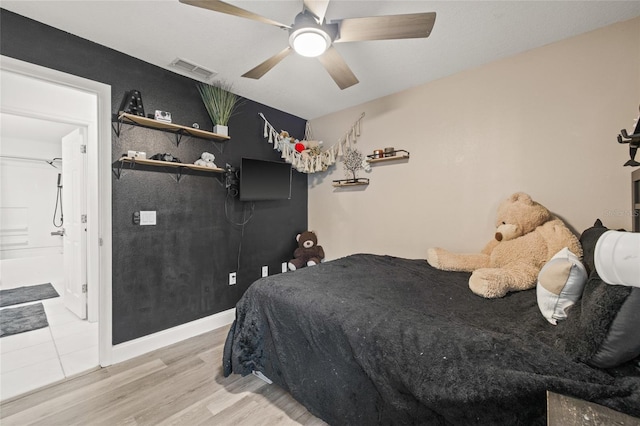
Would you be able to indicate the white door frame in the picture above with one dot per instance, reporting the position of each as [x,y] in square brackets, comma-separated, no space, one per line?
[99,262]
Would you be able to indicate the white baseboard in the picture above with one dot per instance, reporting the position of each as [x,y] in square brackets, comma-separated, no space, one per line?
[137,347]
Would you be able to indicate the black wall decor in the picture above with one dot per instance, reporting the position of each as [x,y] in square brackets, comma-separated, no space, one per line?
[178,270]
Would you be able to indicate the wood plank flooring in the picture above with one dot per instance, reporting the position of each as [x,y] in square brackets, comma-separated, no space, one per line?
[178,385]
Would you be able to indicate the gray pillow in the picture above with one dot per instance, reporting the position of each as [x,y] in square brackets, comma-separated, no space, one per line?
[602,329]
[622,342]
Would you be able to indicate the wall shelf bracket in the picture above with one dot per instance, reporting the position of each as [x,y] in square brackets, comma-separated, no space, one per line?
[117,168]
[219,147]
[179,174]
[116,125]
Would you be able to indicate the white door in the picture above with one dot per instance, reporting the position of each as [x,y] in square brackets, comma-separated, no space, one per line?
[74,210]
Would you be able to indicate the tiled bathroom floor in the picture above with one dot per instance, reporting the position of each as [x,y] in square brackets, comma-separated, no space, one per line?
[66,347]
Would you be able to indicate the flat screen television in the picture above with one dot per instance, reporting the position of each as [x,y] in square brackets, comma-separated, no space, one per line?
[264,180]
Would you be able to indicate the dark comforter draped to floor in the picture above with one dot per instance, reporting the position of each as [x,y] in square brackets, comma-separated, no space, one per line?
[372,339]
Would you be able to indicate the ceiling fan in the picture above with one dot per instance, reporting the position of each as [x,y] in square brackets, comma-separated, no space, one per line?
[310,35]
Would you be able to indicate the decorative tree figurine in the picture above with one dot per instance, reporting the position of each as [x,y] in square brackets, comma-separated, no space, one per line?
[352,160]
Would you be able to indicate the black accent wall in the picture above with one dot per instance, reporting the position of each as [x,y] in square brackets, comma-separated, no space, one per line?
[176,271]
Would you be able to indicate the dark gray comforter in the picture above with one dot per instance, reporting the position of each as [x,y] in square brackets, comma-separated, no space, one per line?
[370,339]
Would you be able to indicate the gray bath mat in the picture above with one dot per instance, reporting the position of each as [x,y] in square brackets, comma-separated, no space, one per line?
[15,296]
[21,319]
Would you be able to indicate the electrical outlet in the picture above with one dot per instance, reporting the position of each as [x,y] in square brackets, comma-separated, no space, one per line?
[265,271]
[232,278]
[284,267]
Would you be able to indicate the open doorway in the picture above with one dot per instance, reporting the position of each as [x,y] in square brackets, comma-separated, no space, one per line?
[43,254]
[80,109]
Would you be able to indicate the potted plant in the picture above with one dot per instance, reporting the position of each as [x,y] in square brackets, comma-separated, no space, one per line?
[221,103]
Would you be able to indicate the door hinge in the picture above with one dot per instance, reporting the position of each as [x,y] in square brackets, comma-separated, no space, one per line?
[100,242]
[84,288]
[83,218]
[83,149]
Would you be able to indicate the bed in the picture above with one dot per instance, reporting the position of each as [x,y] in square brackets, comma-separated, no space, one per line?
[370,339]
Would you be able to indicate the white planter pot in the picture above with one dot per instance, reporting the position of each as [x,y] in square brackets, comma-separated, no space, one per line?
[221,130]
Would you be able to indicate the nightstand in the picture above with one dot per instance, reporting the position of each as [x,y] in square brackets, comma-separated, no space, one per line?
[568,411]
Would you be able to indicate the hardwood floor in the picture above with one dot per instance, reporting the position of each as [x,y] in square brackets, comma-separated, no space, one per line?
[178,385]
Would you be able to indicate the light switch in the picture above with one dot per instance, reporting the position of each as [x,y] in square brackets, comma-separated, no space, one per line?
[147,217]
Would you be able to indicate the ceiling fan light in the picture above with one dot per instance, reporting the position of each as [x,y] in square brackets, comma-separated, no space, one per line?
[310,42]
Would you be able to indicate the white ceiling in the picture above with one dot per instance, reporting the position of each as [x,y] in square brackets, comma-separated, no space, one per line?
[33,129]
[466,34]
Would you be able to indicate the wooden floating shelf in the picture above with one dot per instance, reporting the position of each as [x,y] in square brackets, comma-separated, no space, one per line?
[158,163]
[396,156]
[350,182]
[137,120]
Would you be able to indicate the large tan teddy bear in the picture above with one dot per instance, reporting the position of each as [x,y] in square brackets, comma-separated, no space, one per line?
[527,236]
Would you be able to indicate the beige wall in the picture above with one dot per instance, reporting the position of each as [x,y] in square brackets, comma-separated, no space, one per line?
[544,122]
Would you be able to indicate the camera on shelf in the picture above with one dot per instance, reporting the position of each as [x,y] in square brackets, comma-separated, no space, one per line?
[165,157]
[163,116]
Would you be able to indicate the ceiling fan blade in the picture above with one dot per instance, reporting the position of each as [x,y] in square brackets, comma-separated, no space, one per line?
[414,25]
[337,68]
[266,66]
[229,9]
[317,7]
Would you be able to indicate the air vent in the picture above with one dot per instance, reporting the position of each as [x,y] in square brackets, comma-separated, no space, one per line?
[192,70]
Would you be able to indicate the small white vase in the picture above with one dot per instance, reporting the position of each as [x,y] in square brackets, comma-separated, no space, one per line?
[221,130]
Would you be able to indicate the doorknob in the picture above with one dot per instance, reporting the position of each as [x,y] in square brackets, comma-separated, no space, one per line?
[59,233]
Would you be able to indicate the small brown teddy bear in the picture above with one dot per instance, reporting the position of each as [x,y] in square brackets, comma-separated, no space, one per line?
[527,236]
[286,137]
[308,252]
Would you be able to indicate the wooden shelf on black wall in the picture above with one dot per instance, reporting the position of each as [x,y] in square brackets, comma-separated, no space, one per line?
[176,129]
[179,168]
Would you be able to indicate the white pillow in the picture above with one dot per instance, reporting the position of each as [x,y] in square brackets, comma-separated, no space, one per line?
[560,284]
[617,258]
